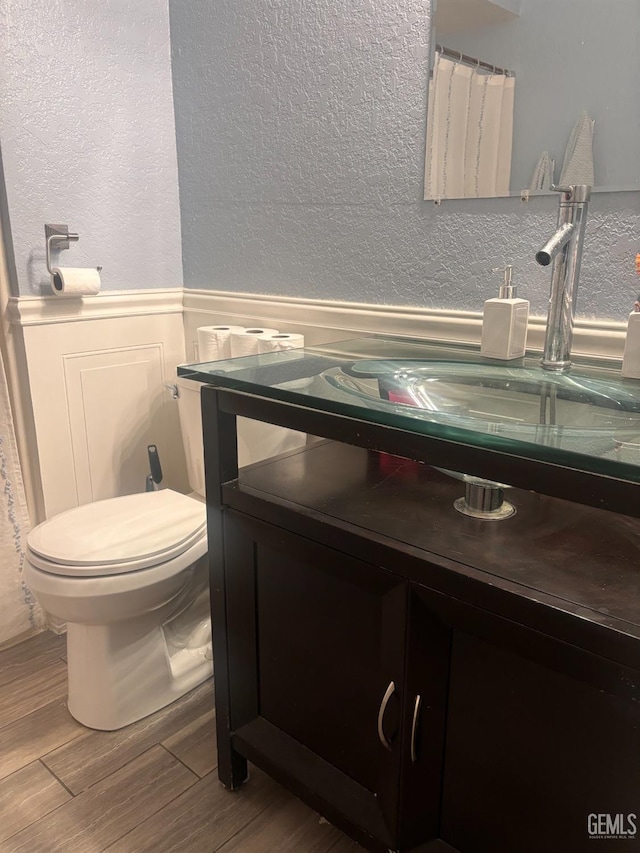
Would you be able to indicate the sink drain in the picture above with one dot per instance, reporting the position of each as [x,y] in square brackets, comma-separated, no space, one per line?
[485,500]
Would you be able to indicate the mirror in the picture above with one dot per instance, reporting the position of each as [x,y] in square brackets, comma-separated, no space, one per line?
[574,66]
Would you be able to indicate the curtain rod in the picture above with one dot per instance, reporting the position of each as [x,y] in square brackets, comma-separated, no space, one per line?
[470,60]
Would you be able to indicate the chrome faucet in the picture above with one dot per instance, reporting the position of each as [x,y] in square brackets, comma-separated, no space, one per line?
[565,250]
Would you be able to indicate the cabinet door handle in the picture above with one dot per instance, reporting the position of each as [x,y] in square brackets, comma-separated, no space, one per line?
[414,729]
[383,707]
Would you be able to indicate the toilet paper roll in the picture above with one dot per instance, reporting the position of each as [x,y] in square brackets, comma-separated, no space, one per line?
[283,342]
[246,343]
[214,342]
[280,341]
[75,281]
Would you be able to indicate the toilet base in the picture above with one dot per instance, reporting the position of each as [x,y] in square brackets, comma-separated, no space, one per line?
[124,671]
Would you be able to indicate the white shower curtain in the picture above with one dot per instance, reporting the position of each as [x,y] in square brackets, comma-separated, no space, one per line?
[469,132]
[18,609]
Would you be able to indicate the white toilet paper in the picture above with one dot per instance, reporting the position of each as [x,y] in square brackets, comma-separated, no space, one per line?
[280,341]
[214,342]
[246,343]
[75,281]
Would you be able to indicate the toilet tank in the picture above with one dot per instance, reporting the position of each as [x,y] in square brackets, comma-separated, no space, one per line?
[256,440]
[191,428]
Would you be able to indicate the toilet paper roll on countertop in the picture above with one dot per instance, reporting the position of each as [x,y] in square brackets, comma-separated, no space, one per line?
[214,342]
[246,343]
[279,342]
[75,281]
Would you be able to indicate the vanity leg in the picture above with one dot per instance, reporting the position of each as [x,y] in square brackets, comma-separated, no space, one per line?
[221,465]
[232,767]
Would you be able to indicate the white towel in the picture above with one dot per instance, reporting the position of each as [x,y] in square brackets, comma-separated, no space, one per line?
[577,167]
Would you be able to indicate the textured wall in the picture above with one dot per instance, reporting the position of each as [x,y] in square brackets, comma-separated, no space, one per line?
[87,131]
[300,132]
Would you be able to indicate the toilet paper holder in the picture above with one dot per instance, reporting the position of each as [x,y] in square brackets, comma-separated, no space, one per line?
[59,234]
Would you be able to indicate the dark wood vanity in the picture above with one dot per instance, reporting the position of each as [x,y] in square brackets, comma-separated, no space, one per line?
[427,681]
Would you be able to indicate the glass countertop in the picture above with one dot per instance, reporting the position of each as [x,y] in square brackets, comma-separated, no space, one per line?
[587,419]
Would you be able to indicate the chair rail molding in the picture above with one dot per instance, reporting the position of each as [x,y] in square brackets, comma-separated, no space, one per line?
[45,310]
[326,321]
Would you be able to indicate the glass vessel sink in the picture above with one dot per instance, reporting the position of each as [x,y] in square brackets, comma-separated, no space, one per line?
[526,403]
[501,395]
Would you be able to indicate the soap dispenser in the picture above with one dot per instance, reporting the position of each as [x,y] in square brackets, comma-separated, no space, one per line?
[504,324]
[631,357]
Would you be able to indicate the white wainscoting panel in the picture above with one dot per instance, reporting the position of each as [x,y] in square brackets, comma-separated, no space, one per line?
[97,389]
[110,395]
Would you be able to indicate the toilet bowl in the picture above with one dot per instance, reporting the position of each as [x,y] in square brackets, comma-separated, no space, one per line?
[129,577]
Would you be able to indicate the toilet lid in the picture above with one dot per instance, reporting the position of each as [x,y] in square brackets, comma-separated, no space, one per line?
[125,533]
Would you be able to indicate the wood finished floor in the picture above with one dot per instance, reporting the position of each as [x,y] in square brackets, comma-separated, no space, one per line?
[149,787]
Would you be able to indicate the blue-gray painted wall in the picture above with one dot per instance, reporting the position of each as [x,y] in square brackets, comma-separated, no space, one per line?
[88,138]
[300,133]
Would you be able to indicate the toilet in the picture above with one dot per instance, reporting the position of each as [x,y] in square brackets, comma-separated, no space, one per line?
[129,576]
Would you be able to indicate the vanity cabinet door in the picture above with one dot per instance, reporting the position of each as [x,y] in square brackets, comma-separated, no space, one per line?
[316,643]
[542,742]
[425,714]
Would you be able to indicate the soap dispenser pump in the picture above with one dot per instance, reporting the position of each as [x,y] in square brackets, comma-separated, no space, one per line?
[504,324]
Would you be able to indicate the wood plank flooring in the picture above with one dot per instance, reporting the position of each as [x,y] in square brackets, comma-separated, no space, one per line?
[149,787]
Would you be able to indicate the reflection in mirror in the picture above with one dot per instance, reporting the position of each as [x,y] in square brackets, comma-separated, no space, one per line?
[565,110]
[469,128]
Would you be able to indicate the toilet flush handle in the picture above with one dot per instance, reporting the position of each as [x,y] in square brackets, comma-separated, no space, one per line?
[154,464]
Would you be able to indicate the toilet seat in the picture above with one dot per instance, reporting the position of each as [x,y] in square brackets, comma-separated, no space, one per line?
[118,535]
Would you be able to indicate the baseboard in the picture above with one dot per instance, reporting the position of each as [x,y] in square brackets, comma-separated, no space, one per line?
[55,625]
